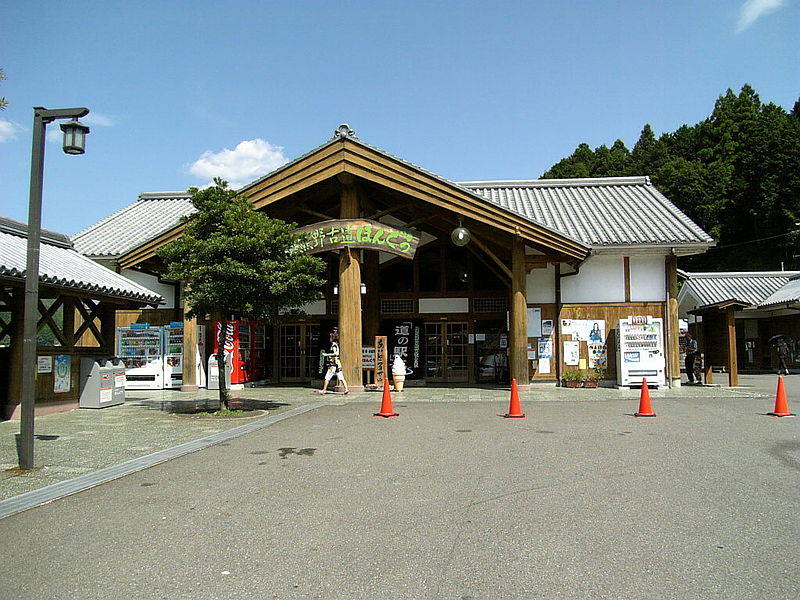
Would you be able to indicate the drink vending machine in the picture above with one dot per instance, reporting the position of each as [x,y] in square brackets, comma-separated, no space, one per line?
[640,351]
[173,358]
[153,355]
[238,345]
[141,348]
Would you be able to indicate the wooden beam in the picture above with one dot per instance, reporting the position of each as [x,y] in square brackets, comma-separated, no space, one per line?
[392,209]
[314,213]
[733,363]
[503,267]
[673,329]
[350,329]
[626,265]
[518,334]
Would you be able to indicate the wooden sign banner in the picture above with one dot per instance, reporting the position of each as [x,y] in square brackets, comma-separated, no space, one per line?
[358,233]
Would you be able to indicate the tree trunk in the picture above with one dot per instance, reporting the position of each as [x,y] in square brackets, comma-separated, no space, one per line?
[224,393]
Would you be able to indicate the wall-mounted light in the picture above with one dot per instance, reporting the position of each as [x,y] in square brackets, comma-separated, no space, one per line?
[460,235]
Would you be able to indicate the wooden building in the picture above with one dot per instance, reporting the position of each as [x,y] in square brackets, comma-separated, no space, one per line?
[542,257]
[77,303]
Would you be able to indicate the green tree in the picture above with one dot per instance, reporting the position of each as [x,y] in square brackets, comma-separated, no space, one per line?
[736,174]
[235,259]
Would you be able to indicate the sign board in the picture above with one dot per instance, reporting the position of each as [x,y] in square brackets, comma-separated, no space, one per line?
[357,233]
[368,357]
[44,364]
[381,360]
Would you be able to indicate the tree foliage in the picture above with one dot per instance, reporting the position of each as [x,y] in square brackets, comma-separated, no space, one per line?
[3,101]
[736,174]
[234,259]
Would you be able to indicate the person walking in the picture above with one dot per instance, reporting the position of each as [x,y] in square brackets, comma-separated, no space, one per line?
[783,356]
[691,355]
[334,365]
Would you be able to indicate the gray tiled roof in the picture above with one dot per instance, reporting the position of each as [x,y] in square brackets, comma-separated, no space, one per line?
[61,266]
[752,288]
[152,214]
[602,211]
[788,294]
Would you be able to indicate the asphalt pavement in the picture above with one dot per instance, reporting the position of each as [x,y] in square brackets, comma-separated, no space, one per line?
[448,500]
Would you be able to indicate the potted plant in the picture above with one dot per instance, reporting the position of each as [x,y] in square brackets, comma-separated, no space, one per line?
[573,378]
[593,377]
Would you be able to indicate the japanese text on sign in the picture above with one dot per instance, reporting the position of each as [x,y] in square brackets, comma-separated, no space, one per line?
[357,233]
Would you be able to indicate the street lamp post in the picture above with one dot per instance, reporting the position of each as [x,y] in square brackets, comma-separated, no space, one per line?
[74,139]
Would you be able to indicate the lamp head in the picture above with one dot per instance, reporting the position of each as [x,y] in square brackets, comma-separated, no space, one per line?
[74,136]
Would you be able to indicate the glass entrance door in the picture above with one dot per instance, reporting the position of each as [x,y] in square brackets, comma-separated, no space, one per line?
[299,352]
[446,352]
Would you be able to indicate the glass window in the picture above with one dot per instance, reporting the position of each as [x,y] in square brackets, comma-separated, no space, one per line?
[430,269]
[457,270]
[397,277]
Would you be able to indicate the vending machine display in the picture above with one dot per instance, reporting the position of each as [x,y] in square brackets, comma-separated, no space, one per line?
[141,348]
[173,355]
[640,351]
[259,351]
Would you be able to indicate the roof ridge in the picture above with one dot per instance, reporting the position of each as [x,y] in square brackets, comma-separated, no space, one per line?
[571,182]
[163,195]
[723,274]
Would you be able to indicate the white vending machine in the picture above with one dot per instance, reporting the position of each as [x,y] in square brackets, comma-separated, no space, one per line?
[173,355]
[141,348]
[640,351]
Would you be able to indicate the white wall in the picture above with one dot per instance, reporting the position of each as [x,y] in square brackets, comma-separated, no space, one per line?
[648,278]
[541,286]
[151,282]
[443,305]
[601,279]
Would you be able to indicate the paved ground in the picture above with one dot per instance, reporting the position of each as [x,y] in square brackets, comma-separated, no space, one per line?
[579,500]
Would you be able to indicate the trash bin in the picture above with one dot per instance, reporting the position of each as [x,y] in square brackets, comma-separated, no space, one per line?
[213,372]
[118,380]
[97,384]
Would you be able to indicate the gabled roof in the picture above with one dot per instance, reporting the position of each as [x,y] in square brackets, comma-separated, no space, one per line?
[747,288]
[601,211]
[61,266]
[151,215]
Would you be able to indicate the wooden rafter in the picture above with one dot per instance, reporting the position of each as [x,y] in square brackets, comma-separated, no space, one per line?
[503,267]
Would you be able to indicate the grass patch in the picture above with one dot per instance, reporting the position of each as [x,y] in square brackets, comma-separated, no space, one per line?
[225,412]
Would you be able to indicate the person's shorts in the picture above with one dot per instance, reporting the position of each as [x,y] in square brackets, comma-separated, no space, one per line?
[333,371]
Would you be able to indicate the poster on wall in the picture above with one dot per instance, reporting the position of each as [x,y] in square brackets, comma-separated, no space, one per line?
[598,356]
[534,322]
[63,371]
[546,348]
[44,364]
[547,327]
[592,331]
[404,339]
[572,353]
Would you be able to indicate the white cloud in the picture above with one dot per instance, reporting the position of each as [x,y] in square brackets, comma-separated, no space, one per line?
[250,160]
[8,130]
[97,120]
[751,10]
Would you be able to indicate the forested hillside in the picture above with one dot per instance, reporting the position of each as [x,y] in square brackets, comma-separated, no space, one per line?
[736,174]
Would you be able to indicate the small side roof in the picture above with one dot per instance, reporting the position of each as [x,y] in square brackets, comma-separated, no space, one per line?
[754,289]
[600,211]
[151,215]
[60,265]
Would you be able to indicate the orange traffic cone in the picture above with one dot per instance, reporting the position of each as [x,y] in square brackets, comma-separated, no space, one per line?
[514,409]
[781,406]
[386,403]
[644,402]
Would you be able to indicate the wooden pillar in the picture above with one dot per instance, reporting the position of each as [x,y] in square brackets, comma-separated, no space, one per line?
[14,399]
[189,366]
[673,350]
[733,365]
[556,366]
[350,293]
[371,300]
[68,328]
[108,328]
[518,325]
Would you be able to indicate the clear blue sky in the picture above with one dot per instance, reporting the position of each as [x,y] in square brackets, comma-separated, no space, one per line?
[468,90]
